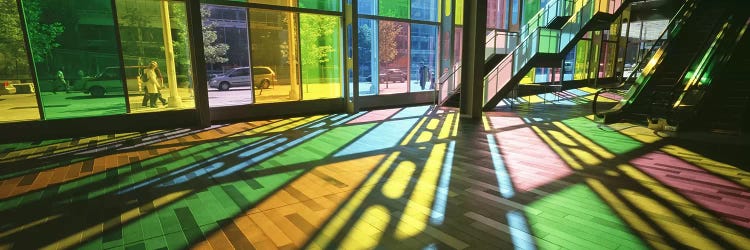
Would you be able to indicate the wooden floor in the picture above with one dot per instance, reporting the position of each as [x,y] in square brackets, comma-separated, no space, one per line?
[537,173]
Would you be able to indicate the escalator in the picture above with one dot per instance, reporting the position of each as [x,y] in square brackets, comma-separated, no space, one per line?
[700,32]
[726,105]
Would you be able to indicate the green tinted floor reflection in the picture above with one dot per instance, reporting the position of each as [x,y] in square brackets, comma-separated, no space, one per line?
[575,218]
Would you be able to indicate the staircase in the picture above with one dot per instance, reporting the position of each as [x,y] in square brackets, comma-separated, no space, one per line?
[499,44]
[543,44]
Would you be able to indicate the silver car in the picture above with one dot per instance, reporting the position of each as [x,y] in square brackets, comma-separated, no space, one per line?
[262,78]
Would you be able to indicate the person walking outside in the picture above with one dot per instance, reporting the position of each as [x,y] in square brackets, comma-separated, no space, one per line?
[160,82]
[60,82]
[152,84]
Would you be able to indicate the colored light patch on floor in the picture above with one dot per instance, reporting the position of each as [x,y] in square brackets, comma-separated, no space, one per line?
[384,135]
[724,170]
[199,215]
[502,122]
[532,163]
[412,112]
[375,116]
[575,218]
[613,141]
[298,208]
[317,148]
[132,176]
[726,198]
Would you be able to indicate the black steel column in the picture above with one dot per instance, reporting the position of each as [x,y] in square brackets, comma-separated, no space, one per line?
[472,61]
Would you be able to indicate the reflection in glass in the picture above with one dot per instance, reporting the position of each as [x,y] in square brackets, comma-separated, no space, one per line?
[367,7]
[227,54]
[17,92]
[394,8]
[424,10]
[368,60]
[393,52]
[68,42]
[274,46]
[568,63]
[332,5]
[423,57]
[582,60]
[321,56]
[142,35]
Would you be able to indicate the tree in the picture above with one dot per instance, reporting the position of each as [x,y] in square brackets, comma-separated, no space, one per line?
[42,36]
[388,47]
[314,31]
[215,52]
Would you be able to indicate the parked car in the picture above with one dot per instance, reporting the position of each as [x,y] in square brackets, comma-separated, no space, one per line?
[109,82]
[6,88]
[262,78]
[393,75]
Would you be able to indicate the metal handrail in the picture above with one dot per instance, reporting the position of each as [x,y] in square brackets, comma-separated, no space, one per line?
[641,64]
[444,78]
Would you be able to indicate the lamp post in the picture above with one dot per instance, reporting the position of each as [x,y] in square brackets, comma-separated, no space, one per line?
[174,97]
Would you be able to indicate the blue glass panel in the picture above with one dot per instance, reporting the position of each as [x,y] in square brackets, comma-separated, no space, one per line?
[425,10]
[367,7]
[569,65]
[423,56]
[368,61]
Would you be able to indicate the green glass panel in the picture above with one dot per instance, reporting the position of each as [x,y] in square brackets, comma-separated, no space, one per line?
[17,92]
[274,45]
[332,5]
[142,34]
[321,56]
[394,8]
[530,8]
[73,45]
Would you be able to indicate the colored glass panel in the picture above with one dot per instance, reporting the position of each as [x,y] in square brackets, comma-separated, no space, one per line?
[368,60]
[393,52]
[530,8]
[332,5]
[321,56]
[142,36]
[568,65]
[459,13]
[231,78]
[69,40]
[16,88]
[287,3]
[423,57]
[424,10]
[394,8]
[367,7]
[497,14]
[274,45]
[582,60]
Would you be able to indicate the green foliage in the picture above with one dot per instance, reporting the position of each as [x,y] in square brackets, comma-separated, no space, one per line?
[388,47]
[315,33]
[43,36]
[215,52]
